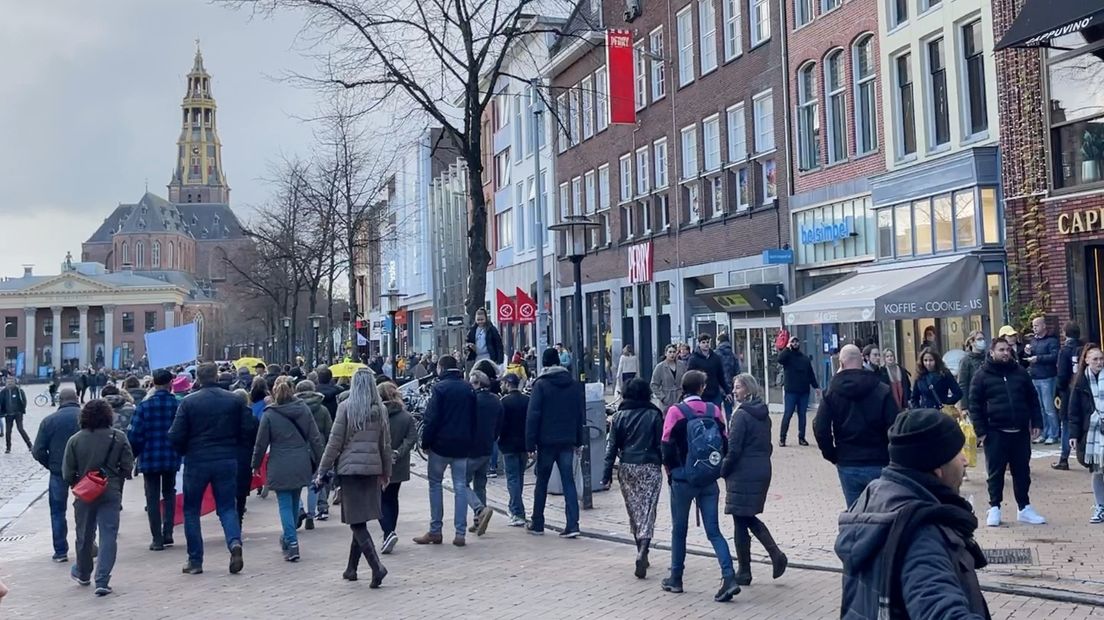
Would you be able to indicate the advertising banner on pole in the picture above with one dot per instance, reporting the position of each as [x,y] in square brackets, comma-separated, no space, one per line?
[619,61]
[526,308]
[506,310]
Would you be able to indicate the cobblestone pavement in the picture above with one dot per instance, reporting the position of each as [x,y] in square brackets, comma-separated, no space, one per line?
[21,477]
[1067,554]
[507,574]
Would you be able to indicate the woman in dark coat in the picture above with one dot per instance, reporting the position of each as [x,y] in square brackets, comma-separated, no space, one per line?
[935,386]
[747,473]
[635,435]
[896,377]
[404,436]
[1086,435]
[288,428]
[360,447]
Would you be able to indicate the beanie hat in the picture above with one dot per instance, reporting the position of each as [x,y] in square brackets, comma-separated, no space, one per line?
[924,439]
[550,357]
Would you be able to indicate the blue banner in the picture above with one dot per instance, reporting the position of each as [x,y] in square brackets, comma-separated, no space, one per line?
[116,357]
[20,362]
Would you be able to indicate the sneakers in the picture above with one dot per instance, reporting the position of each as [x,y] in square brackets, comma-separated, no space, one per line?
[157,546]
[310,523]
[323,515]
[1049,441]
[192,569]
[569,534]
[103,590]
[168,542]
[60,557]
[1028,515]
[459,541]
[389,543]
[802,442]
[1038,439]
[516,521]
[429,538]
[236,560]
[292,553]
[534,530]
[994,517]
[483,521]
[1098,514]
[671,584]
[300,519]
[492,474]
[77,578]
[1060,465]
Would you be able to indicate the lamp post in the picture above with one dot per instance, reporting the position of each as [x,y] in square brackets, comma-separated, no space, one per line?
[576,229]
[316,322]
[286,322]
[393,297]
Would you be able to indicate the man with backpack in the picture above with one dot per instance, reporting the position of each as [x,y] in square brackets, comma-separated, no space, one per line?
[693,446]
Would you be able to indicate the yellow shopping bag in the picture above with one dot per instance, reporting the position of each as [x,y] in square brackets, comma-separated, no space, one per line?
[970,449]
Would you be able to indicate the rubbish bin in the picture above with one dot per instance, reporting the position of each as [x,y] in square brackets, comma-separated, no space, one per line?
[596,433]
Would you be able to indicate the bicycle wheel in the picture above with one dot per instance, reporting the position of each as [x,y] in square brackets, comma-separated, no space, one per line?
[42,400]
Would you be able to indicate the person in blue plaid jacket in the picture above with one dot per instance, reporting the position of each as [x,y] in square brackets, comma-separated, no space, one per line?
[158,461]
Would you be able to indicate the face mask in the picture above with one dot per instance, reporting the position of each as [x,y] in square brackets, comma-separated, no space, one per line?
[980,345]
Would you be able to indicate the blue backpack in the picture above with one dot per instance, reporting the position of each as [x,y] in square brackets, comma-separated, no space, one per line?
[704,446]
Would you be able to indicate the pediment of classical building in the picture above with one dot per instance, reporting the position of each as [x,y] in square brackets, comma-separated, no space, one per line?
[69,283]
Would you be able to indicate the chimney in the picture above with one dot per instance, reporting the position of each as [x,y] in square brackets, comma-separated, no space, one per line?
[28,271]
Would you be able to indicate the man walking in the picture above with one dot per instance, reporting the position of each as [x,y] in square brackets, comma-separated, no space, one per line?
[447,435]
[731,365]
[49,449]
[13,406]
[1067,365]
[511,443]
[907,545]
[1004,407]
[717,389]
[798,379]
[488,423]
[852,423]
[208,430]
[158,461]
[555,426]
[1043,366]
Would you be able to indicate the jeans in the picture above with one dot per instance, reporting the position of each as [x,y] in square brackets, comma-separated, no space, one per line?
[100,516]
[515,481]
[493,466]
[563,460]
[389,508]
[682,496]
[435,471]
[799,402]
[1065,440]
[1045,389]
[160,486]
[854,478]
[477,482]
[221,475]
[289,502]
[1013,451]
[58,493]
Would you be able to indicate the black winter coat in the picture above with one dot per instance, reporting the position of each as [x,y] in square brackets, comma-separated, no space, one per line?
[934,389]
[448,426]
[53,433]
[1080,409]
[1045,351]
[557,411]
[511,437]
[488,423]
[635,435]
[798,375]
[713,367]
[906,383]
[1002,397]
[494,343]
[747,466]
[1067,364]
[329,392]
[853,419]
[211,424]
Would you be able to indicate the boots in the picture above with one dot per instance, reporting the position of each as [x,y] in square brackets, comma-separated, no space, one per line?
[642,564]
[778,559]
[743,556]
[379,571]
[350,573]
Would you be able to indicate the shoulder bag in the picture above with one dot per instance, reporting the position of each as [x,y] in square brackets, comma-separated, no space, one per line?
[93,483]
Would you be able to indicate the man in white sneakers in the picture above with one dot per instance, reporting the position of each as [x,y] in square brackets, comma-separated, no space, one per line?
[1004,408]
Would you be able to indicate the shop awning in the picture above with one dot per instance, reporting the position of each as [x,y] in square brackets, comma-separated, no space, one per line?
[741,298]
[928,289]
[1040,21]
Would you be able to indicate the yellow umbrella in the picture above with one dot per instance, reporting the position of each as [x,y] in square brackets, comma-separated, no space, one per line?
[346,369]
[248,362]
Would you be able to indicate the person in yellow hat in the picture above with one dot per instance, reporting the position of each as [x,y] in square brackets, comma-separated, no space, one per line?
[1010,334]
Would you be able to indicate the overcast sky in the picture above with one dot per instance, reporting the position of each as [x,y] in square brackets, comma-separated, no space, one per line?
[90,109]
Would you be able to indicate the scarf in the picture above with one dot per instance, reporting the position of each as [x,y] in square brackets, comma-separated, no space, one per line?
[894,372]
[1094,441]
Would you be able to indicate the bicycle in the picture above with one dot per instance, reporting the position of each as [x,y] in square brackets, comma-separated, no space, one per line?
[43,399]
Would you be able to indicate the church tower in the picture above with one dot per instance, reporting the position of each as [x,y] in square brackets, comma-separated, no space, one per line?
[199,176]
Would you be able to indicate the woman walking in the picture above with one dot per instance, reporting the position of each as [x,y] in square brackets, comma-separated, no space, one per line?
[747,473]
[97,447]
[935,386]
[667,378]
[1086,409]
[360,445]
[897,378]
[288,432]
[628,366]
[404,436]
[634,437]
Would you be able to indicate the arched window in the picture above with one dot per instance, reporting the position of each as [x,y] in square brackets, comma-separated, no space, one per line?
[863,72]
[172,256]
[138,254]
[124,254]
[835,105]
[155,255]
[808,118]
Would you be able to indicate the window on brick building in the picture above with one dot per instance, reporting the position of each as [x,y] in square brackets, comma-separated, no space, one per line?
[155,255]
[689,136]
[151,321]
[707,33]
[906,107]
[836,106]
[565,200]
[659,73]
[737,133]
[973,53]
[48,326]
[625,171]
[733,34]
[685,23]
[640,75]
[591,193]
[759,15]
[763,109]
[643,169]
[808,118]
[770,181]
[829,5]
[803,12]
[587,87]
[601,86]
[659,155]
[866,97]
[577,196]
[1075,68]
[711,140]
[128,322]
[939,131]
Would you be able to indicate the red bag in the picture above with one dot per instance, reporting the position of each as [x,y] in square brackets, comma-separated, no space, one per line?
[93,483]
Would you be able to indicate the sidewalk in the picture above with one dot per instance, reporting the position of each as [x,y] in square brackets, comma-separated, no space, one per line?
[1066,556]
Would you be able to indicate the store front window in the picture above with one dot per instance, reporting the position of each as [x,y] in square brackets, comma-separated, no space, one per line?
[599,337]
[753,344]
[939,224]
[1075,68]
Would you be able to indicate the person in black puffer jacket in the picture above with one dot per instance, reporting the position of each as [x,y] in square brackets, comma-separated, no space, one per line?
[747,473]
[511,443]
[1004,408]
[799,378]
[634,437]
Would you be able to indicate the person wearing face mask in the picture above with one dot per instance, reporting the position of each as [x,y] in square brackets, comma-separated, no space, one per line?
[1067,373]
[1085,410]
[976,347]
[897,378]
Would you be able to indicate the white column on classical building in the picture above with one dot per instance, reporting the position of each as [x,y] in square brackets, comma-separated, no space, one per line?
[170,315]
[55,340]
[82,352]
[109,336]
[30,367]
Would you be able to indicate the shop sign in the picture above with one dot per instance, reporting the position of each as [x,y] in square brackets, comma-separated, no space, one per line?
[935,307]
[824,232]
[425,325]
[619,61]
[640,263]
[1081,221]
[454,321]
[778,256]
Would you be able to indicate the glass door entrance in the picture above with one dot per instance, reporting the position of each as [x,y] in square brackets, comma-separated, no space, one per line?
[753,344]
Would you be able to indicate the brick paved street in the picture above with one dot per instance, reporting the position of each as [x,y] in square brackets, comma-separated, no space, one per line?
[20,474]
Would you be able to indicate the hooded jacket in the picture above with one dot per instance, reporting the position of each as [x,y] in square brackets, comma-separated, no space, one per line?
[319,412]
[291,437]
[511,436]
[124,410]
[747,465]
[557,411]
[1002,397]
[729,361]
[853,419]
[404,436]
[329,392]
[936,577]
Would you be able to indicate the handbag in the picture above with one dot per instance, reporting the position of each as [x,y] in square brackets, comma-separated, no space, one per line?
[94,482]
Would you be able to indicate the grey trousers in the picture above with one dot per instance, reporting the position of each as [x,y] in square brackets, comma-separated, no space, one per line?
[101,515]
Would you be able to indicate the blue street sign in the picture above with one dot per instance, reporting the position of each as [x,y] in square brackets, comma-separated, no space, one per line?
[778,256]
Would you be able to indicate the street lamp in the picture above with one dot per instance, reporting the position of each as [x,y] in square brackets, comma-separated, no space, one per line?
[576,229]
[286,322]
[316,322]
[393,297]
